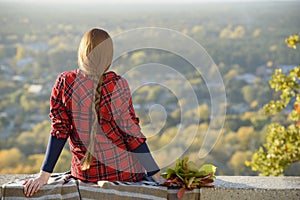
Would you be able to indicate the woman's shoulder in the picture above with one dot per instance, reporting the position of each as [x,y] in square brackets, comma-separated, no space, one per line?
[71,73]
[109,76]
[112,76]
[67,76]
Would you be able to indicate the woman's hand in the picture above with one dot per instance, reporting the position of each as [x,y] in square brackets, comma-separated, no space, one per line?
[158,179]
[31,186]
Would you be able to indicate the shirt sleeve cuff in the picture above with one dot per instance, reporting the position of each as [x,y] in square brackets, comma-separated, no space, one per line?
[143,154]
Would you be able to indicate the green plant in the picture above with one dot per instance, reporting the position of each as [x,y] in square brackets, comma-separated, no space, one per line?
[282,146]
[188,176]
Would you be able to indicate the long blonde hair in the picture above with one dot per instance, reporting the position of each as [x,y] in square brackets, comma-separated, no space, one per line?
[95,55]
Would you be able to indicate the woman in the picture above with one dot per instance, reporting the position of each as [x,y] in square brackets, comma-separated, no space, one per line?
[93,108]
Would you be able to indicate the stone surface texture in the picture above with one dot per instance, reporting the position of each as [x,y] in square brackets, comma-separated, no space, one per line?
[226,187]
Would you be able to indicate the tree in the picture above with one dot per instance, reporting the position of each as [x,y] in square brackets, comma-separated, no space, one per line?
[34,161]
[247,138]
[234,92]
[237,162]
[64,161]
[138,57]
[282,147]
[249,93]
[227,32]
[10,158]
[39,134]
[19,53]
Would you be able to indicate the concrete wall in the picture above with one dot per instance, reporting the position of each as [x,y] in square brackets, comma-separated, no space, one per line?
[253,187]
[226,187]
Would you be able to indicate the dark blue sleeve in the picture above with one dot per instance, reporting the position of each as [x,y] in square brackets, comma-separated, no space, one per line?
[54,148]
[144,156]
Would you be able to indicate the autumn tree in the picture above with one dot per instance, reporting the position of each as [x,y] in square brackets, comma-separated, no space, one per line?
[19,53]
[10,159]
[282,146]
[237,161]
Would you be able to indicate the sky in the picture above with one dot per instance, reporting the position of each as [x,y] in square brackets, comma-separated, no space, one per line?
[140,1]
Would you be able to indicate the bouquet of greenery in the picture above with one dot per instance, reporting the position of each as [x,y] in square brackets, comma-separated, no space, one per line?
[187,176]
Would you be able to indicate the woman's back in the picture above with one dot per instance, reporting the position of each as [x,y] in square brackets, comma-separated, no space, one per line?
[118,131]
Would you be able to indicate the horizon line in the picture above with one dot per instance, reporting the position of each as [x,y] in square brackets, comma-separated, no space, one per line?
[138,2]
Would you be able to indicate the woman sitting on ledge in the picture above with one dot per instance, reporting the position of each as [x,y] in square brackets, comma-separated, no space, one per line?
[93,108]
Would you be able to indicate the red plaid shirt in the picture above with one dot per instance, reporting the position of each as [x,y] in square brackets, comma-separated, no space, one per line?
[118,132]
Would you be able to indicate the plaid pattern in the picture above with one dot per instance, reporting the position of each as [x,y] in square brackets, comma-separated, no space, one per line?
[59,186]
[122,190]
[63,186]
[118,131]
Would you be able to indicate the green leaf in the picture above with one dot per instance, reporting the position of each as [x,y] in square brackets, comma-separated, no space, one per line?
[170,171]
[168,174]
[208,168]
[201,173]
[164,175]
[190,182]
[192,166]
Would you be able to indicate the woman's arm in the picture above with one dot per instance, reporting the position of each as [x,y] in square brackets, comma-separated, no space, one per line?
[54,149]
[59,114]
[135,140]
[59,133]
[31,186]
[144,156]
[125,117]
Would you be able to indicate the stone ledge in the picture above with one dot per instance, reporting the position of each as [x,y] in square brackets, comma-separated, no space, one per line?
[228,187]
[253,187]
[5,178]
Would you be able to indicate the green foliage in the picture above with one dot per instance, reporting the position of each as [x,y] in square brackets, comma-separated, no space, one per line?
[292,41]
[248,138]
[20,53]
[64,161]
[187,175]
[288,86]
[39,134]
[3,121]
[237,162]
[282,146]
[27,154]
[10,157]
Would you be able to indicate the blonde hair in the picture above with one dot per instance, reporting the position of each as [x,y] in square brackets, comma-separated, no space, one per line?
[95,55]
